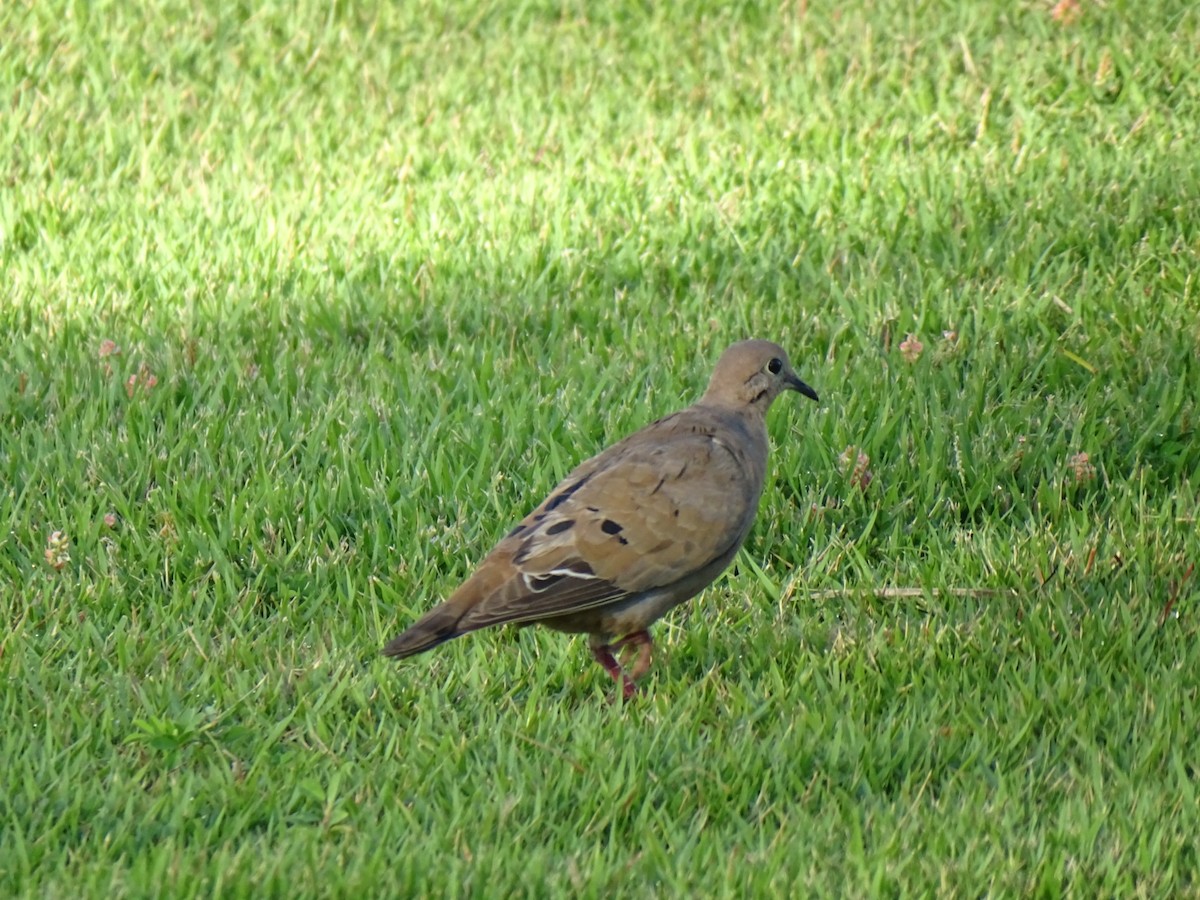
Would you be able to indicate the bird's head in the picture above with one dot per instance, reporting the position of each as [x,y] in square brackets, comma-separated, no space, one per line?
[752,374]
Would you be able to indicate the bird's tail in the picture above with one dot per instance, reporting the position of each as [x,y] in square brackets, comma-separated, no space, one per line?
[435,627]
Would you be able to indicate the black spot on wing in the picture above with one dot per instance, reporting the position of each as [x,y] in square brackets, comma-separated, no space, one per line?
[608,526]
[565,494]
[560,527]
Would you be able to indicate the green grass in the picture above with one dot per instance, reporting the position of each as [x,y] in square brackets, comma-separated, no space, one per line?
[395,270]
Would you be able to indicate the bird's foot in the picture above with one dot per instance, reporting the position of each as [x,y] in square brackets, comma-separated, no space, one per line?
[603,654]
[644,645]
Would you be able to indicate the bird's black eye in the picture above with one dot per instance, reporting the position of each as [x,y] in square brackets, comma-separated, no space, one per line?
[774,366]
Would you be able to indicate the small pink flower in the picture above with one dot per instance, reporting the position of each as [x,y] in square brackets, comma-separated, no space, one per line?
[1082,468]
[911,348]
[110,520]
[1066,11]
[57,550]
[143,376]
[856,463]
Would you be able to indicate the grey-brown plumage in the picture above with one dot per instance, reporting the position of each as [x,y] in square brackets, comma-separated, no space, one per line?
[635,530]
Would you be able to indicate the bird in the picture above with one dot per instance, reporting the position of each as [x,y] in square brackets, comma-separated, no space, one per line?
[634,531]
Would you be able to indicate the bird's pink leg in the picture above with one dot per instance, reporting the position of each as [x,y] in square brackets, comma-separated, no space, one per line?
[603,654]
[645,652]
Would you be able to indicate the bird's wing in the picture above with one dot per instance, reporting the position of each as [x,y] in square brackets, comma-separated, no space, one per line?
[646,513]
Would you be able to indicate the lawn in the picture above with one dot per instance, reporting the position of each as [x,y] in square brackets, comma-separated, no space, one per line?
[305,304]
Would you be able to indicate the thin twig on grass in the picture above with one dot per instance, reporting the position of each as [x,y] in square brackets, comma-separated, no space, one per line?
[901,593]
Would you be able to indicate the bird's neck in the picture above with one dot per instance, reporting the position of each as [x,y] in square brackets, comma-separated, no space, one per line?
[753,415]
[747,423]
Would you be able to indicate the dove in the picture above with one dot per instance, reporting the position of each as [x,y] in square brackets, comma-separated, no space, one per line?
[634,531]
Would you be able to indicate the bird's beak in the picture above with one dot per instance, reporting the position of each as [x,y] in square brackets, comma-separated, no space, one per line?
[796,384]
